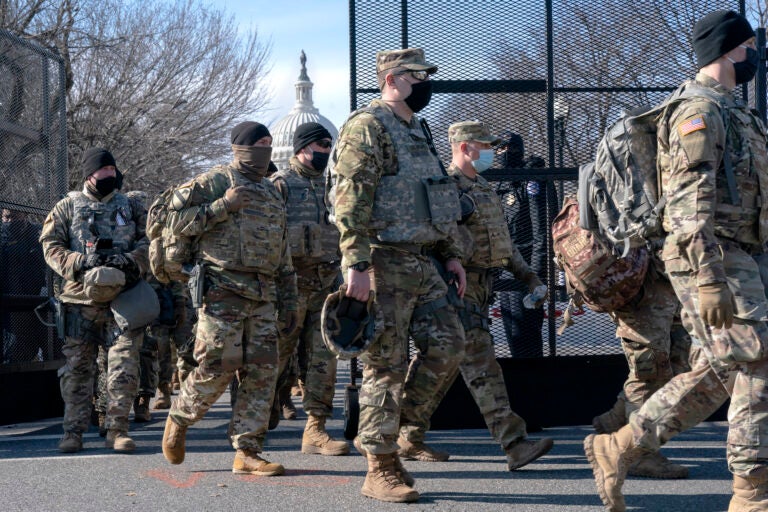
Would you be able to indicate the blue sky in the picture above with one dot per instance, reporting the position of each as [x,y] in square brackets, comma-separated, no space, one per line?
[321,29]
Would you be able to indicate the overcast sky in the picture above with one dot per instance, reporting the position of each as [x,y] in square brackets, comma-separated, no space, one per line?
[321,29]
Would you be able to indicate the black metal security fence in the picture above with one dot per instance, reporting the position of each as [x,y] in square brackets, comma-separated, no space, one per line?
[554,72]
[33,167]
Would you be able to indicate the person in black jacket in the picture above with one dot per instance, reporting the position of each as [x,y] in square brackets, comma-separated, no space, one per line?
[525,206]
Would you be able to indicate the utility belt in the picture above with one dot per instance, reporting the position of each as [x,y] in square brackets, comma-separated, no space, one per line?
[478,274]
[421,249]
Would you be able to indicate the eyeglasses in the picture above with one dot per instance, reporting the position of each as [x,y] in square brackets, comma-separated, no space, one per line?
[418,75]
[324,143]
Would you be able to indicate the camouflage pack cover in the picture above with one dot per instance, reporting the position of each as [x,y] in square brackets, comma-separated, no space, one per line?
[604,280]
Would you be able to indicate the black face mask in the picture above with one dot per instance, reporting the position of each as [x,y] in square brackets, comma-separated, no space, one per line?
[105,186]
[320,160]
[746,69]
[421,93]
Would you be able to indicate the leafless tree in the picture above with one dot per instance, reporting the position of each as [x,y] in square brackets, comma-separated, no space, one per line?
[158,83]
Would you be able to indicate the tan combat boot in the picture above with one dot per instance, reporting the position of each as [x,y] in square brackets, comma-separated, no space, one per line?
[399,468]
[612,420]
[119,441]
[383,483]
[750,494]
[163,400]
[525,451]
[655,465]
[141,412]
[174,439]
[249,462]
[610,456]
[419,451]
[72,442]
[316,440]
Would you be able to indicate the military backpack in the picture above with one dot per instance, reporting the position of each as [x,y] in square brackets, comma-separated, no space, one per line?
[168,253]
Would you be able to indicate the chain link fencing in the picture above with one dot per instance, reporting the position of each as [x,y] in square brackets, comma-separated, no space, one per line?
[550,76]
[33,167]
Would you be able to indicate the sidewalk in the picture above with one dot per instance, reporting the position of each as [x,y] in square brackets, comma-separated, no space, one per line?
[35,476]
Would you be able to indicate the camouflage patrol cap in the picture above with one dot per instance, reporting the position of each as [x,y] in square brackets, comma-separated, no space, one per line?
[410,58]
[471,130]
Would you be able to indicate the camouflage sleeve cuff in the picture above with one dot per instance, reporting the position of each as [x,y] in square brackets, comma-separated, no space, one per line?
[218,209]
[710,274]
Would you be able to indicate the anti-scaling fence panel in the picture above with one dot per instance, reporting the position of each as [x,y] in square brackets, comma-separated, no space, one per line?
[557,73]
[32,178]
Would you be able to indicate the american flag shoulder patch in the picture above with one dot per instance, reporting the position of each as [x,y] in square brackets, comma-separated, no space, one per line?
[691,125]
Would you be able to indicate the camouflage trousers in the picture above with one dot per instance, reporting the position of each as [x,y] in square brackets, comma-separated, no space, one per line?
[320,379]
[654,341]
[88,327]
[403,282]
[480,370]
[733,358]
[234,334]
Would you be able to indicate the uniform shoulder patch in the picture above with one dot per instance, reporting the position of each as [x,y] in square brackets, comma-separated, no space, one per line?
[691,125]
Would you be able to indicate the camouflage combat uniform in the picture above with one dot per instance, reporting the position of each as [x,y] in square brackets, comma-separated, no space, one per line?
[654,342]
[490,246]
[710,240]
[380,161]
[174,325]
[72,226]
[314,243]
[247,271]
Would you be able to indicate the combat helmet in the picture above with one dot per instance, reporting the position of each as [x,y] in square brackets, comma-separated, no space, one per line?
[347,325]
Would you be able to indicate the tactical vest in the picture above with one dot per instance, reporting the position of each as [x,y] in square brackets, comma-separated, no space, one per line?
[414,202]
[248,240]
[310,234]
[745,222]
[490,233]
[93,220]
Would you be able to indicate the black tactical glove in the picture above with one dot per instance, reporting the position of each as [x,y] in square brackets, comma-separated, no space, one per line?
[126,264]
[91,261]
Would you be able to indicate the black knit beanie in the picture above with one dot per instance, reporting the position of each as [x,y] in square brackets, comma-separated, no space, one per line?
[248,132]
[717,33]
[308,133]
[94,159]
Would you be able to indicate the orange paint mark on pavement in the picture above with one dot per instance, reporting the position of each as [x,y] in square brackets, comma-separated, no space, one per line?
[168,478]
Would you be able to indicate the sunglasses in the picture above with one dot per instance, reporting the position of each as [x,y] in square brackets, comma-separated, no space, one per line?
[418,75]
[324,143]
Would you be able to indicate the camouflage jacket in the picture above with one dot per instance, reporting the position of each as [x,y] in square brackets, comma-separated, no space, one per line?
[67,233]
[246,251]
[487,230]
[698,211]
[365,157]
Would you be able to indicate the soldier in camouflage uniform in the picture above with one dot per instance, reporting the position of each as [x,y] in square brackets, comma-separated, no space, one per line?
[384,173]
[657,348]
[314,245]
[239,218]
[95,240]
[489,246]
[714,169]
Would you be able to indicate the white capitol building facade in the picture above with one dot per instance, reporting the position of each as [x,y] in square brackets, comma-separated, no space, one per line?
[303,111]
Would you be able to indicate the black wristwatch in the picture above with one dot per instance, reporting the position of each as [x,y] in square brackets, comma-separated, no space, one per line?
[360,266]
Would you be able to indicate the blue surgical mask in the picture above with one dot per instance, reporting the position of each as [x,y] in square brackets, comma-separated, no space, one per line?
[484,161]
